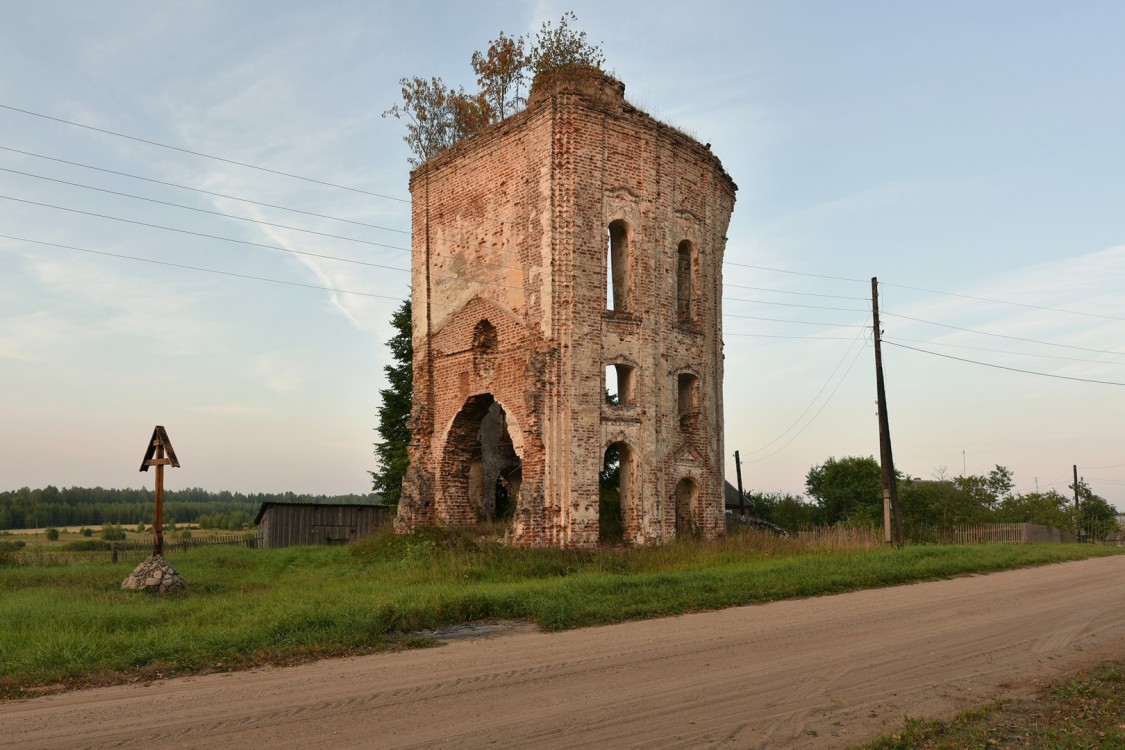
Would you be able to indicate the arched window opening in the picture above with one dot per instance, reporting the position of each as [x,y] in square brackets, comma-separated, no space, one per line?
[614,498]
[685,283]
[620,385]
[484,348]
[686,493]
[688,400]
[618,275]
[484,337]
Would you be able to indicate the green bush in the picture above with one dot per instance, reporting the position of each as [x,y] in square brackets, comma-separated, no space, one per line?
[51,533]
[8,549]
[86,531]
[113,533]
[87,545]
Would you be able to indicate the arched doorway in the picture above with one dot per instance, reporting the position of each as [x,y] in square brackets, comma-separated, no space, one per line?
[614,492]
[687,490]
[481,469]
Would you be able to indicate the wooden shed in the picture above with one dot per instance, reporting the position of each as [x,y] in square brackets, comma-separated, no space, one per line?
[288,524]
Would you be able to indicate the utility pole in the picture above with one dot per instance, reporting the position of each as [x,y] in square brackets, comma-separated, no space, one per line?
[890,487]
[741,496]
[1077,517]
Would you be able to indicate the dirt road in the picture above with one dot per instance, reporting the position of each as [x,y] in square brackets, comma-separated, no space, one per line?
[817,673]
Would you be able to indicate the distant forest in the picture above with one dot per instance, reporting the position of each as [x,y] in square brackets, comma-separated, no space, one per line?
[88,506]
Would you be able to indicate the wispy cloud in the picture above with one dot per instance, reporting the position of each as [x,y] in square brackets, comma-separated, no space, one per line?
[105,302]
[229,410]
[280,373]
[32,337]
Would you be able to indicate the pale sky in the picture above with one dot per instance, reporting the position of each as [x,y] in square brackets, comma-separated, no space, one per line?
[971,148]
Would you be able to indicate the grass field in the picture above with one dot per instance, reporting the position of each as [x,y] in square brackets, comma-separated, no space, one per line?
[73,624]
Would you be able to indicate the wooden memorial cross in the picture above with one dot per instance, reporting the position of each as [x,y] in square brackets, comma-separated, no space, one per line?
[159,454]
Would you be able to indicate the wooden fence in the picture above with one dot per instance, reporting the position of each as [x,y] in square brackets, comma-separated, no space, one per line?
[989,533]
[132,551]
[845,537]
[139,550]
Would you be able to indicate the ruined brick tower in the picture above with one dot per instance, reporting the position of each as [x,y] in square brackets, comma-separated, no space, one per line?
[576,247]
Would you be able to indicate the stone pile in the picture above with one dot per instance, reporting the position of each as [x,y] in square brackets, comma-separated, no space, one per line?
[154,574]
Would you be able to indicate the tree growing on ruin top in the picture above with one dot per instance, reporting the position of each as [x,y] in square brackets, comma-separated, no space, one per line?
[437,116]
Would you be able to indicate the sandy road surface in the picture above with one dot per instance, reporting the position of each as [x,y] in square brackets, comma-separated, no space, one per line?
[822,672]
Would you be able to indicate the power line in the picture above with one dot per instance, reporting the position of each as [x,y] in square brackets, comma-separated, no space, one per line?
[200,153]
[791,304]
[818,411]
[405,270]
[780,320]
[786,291]
[199,268]
[815,398]
[208,236]
[1105,481]
[246,242]
[396,247]
[363,263]
[1001,367]
[1004,351]
[349,260]
[255,244]
[773,336]
[797,273]
[402,200]
[204,210]
[201,190]
[1001,301]
[904,286]
[1003,336]
[1056,480]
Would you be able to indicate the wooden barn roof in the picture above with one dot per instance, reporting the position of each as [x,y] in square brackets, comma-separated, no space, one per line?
[271,504]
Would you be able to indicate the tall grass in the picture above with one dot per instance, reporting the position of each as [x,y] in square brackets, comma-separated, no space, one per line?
[244,606]
[843,537]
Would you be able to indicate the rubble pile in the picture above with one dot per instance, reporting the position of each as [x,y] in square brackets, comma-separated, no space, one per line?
[154,574]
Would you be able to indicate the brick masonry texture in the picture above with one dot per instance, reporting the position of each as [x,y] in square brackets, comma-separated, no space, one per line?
[516,233]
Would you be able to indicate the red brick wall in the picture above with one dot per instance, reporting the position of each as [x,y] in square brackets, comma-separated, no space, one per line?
[511,226]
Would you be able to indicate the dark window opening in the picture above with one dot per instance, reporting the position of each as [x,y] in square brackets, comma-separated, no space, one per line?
[618,274]
[686,493]
[484,348]
[685,284]
[688,399]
